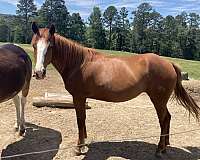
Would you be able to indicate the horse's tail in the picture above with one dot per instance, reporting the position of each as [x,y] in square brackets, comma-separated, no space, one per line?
[183,97]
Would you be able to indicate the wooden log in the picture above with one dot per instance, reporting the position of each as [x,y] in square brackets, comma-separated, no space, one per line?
[57,102]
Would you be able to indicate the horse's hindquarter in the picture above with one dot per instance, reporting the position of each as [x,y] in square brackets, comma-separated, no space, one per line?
[116,79]
[162,76]
[12,74]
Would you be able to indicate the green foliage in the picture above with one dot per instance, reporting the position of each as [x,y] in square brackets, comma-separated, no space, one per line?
[4,32]
[95,31]
[110,16]
[19,35]
[77,28]
[55,12]
[26,9]
[121,31]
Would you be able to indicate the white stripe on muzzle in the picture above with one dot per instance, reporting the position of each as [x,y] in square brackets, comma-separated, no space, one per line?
[42,47]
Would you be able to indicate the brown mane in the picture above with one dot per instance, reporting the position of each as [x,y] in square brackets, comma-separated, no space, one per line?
[71,52]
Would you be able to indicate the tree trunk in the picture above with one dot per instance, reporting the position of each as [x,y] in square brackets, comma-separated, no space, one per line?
[110,34]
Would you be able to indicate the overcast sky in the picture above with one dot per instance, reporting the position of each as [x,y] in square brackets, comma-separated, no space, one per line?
[84,7]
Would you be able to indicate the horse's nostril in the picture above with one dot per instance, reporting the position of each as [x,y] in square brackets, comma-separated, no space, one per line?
[44,72]
[36,74]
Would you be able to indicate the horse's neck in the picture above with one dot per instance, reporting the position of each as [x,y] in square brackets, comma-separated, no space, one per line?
[67,55]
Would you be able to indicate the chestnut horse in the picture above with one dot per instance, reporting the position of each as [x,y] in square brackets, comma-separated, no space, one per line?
[15,76]
[88,73]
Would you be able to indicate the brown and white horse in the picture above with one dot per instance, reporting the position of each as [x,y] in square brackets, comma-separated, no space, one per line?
[90,74]
[15,76]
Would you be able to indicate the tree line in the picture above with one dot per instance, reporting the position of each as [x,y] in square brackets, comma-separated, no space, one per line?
[146,31]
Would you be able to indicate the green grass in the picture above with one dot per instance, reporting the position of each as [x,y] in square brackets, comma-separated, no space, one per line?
[192,67]
[115,52]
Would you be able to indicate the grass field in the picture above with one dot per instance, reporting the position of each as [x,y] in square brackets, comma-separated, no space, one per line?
[192,67]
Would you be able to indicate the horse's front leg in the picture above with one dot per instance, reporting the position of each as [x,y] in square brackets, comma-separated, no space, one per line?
[79,104]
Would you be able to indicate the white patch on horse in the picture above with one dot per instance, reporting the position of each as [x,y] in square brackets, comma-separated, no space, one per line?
[42,47]
[16,101]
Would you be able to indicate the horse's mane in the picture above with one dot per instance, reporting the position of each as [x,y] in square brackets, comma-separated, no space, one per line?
[70,54]
[74,46]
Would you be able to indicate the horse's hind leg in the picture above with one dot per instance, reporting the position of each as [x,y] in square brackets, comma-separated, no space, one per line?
[164,120]
[20,102]
[160,104]
[16,101]
[25,91]
[22,122]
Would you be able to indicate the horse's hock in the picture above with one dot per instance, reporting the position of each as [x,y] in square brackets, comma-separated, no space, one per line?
[184,75]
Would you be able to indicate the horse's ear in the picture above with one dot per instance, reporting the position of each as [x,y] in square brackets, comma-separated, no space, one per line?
[35,28]
[52,30]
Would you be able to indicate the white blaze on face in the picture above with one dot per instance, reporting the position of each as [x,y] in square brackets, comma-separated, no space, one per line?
[42,47]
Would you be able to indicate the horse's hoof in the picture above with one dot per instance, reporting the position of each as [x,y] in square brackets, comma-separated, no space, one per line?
[22,132]
[80,150]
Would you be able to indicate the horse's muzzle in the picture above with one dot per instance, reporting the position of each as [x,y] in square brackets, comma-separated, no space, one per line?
[40,74]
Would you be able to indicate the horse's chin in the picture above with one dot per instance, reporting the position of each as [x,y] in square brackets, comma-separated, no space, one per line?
[39,77]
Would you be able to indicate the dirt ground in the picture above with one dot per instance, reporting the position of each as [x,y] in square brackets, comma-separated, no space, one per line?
[118,130]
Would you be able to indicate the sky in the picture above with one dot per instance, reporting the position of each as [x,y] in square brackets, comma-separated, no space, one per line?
[84,7]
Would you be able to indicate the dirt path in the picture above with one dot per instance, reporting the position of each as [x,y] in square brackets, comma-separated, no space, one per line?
[50,128]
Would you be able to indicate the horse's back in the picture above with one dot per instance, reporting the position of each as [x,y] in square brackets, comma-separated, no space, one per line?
[13,70]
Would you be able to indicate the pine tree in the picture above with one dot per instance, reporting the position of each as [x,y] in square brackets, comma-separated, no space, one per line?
[95,32]
[25,10]
[77,28]
[110,16]
[124,29]
[140,24]
[55,12]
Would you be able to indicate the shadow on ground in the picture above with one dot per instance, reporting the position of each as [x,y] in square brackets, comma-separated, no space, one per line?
[138,150]
[37,139]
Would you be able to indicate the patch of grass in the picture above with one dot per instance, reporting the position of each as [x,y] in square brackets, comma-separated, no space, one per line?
[115,52]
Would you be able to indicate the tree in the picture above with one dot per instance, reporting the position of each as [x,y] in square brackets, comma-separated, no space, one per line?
[123,30]
[193,20]
[95,31]
[4,31]
[109,18]
[25,10]
[77,28]
[154,32]
[141,21]
[19,35]
[55,12]
[168,41]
